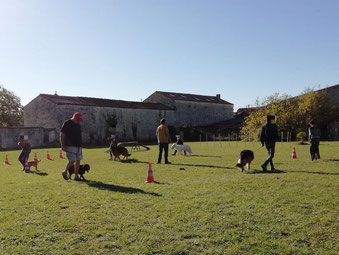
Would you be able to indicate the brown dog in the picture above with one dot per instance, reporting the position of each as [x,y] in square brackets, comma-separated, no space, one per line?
[33,163]
[82,169]
[118,151]
[245,158]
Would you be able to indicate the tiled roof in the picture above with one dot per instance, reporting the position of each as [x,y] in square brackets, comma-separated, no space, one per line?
[100,102]
[192,97]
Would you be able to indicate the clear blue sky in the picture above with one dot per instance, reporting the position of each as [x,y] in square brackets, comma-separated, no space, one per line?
[127,49]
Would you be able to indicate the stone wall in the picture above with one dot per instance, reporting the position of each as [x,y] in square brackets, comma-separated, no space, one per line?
[133,124]
[199,114]
[40,113]
[37,137]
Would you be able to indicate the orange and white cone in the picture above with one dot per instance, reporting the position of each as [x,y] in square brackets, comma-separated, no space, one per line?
[27,169]
[6,160]
[150,177]
[294,153]
[48,156]
[60,154]
[35,157]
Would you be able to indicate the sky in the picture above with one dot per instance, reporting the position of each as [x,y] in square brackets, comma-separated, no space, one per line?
[127,49]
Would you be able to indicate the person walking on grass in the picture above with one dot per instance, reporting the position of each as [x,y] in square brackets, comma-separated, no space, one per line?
[25,150]
[268,137]
[164,139]
[314,138]
[71,143]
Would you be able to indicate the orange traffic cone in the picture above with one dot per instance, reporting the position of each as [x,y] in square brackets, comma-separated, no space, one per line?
[48,156]
[150,177]
[35,157]
[27,169]
[294,153]
[6,160]
[60,154]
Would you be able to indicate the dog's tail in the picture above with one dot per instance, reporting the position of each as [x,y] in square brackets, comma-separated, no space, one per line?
[239,165]
[129,154]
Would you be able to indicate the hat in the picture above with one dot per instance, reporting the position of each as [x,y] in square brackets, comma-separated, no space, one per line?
[78,116]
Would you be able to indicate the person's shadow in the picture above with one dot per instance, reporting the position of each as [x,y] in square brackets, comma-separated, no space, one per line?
[117,188]
[264,172]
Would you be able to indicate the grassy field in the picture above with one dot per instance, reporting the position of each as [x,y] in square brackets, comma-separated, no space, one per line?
[199,205]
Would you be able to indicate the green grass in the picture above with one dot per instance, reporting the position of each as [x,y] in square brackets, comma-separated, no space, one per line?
[207,208]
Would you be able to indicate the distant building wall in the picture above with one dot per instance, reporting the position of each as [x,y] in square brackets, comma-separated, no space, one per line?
[133,124]
[37,136]
[40,113]
[198,114]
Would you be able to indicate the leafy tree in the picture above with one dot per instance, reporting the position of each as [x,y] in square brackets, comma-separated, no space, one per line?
[292,113]
[10,108]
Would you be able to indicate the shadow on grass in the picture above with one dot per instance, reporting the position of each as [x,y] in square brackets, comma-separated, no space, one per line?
[267,172]
[321,173]
[205,156]
[37,172]
[198,165]
[133,160]
[117,188]
[174,164]
[333,159]
[40,173]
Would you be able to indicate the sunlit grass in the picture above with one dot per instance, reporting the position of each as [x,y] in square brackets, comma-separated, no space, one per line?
[199,204]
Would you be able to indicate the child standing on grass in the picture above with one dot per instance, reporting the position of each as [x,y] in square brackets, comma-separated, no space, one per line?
[26,150]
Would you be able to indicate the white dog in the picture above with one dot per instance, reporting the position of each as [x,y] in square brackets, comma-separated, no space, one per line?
[181,148]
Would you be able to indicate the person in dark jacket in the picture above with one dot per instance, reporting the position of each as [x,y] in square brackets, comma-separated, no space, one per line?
[268,137]
[26,150]
[314,138]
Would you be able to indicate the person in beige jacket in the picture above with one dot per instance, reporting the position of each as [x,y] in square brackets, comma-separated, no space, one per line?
[164,139]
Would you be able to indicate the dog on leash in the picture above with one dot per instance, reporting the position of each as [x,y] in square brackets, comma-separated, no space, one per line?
[245,159]
[118,151]
[181,148]
[82,170]
[33,163]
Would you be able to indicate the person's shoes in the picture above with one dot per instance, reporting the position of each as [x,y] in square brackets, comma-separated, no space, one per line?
[158,162]
[65,175]
[167,162]
[263,168]
[273,169]
[77,178]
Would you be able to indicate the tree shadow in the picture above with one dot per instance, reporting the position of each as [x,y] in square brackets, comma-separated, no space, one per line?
[266,172]
[117,188]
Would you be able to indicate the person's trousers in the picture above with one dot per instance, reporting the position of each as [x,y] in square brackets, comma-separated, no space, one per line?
[163,147]
[314,149]
[270,146]
[23,157]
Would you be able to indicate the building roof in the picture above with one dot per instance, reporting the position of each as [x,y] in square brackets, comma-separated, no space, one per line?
[192,97]
[100,102]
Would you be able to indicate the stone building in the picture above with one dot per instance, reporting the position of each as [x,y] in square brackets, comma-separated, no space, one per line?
[134,120]
[193,110]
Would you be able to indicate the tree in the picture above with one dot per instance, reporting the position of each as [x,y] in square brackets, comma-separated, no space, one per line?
[10,108]
[292,113]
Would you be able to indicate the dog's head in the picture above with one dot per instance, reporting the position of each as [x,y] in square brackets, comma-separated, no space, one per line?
[86,168]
